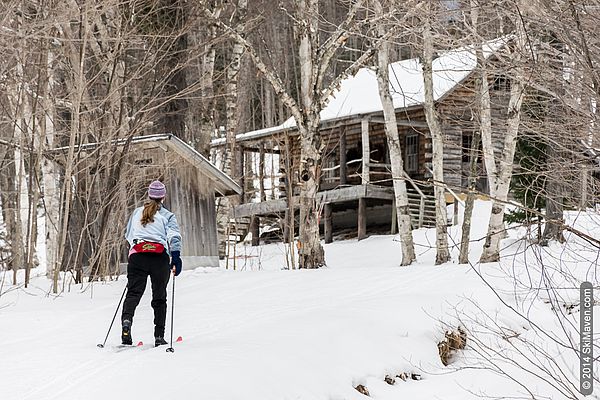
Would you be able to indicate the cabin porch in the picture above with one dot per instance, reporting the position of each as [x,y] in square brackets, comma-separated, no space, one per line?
[356,181]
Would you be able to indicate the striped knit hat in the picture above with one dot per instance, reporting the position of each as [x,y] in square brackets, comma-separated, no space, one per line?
[157,190]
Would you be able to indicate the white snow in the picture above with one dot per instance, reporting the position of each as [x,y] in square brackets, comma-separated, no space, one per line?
[359,94]
[262,333]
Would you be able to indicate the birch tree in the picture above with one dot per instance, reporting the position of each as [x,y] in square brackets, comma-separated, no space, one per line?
[314,59]
[572,62]
[435,130]
[119,82]
[202,40]
[19,103]
[232,71]
[499,176]
[483,129]
[393,140]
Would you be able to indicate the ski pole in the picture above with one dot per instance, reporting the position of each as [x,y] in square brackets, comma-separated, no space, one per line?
[171,349]
[101,345]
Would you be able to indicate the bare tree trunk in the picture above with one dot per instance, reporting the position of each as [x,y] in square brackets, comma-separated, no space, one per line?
[314,61]
[201,105]
[441,218]
[10,211]
[311,252]
[19,132]
[463,257]
[485,128]
[391,131]
[501,182]
[35,155]
[485,123]
[207,124]
[554,199]
[50,195]
[231,109]
[77,89]
[225,204]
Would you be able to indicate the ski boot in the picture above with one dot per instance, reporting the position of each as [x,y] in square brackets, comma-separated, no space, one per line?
[159,341]
[126,333]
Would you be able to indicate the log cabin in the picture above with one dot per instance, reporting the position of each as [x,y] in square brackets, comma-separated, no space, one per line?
[355,183]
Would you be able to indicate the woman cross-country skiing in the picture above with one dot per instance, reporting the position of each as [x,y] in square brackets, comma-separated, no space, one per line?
[153,235]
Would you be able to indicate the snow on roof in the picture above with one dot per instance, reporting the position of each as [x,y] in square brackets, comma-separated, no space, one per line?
[359,94]
[223,183]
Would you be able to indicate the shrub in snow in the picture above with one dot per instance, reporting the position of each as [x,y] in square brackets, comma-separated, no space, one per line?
[454,341]
[363,390]
[407,375]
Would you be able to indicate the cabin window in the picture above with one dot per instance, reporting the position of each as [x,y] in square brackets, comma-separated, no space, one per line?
[144,161]
[467,143]
[330,170]
[501,83]
[411,147]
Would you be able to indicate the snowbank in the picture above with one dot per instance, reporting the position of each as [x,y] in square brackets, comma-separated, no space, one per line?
[265,333]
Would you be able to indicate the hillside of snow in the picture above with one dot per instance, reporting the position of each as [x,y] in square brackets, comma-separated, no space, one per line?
[263,332]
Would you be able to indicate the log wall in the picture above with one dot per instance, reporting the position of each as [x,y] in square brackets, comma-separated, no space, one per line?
[458,117]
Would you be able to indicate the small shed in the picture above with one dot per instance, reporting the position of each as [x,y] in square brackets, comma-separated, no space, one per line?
[192,183]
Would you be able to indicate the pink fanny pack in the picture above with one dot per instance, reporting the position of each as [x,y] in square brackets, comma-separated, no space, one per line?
[147,247]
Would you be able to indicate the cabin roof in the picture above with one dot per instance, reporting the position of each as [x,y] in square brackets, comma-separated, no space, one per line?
[224,185]
[359,94]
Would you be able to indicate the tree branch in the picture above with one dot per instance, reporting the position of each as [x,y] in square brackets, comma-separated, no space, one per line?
[359,63]
[269,73]
[336,40]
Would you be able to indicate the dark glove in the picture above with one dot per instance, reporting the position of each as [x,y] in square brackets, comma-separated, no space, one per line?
[176,262]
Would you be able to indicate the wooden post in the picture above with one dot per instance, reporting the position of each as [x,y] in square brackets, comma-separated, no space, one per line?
[249,175]
[273,171]
[366,151]
[584,189]
[286,226]
[239,172]
[362,218]
[343,161]
[255,229]
[394,228]
[421,211]
[289,189]
[327,222]
[261,172]
[455,219]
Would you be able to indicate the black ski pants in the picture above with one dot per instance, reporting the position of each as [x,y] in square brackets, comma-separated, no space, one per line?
[139,266]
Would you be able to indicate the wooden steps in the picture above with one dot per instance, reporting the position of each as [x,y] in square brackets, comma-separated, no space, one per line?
[414,202]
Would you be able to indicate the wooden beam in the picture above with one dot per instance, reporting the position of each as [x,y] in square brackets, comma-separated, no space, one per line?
[402,122]
[342,194]
[349,193]
[265,148]
[362,218]
[264,208]
[379,192]
[328,223]
[366,151]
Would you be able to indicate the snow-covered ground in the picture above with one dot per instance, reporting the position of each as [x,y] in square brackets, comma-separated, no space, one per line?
[262,332]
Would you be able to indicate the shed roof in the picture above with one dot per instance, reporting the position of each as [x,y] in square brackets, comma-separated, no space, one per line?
[359,94]
[224,185]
